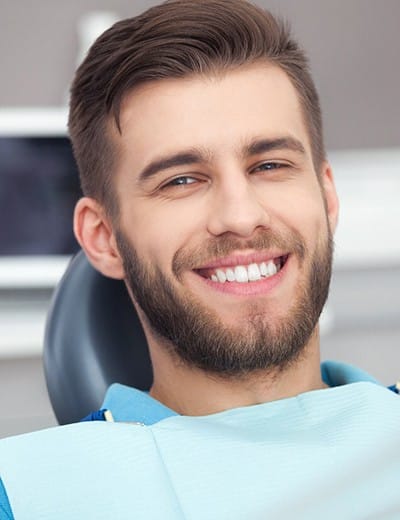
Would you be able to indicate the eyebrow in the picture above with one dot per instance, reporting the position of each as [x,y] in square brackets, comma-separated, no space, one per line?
[196,156]
[266,145]
[183,158]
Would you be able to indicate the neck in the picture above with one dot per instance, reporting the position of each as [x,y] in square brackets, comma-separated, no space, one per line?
[191,391]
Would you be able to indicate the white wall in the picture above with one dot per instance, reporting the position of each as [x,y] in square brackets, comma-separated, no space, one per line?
[354,47]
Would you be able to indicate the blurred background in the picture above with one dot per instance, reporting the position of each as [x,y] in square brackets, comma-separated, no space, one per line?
[353,48]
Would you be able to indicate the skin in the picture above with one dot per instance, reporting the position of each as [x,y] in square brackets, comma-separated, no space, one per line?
[227,191]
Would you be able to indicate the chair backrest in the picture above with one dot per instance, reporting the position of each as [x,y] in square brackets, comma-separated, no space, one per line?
[93,338]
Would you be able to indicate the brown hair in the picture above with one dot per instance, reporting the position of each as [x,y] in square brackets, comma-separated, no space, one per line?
[173,40]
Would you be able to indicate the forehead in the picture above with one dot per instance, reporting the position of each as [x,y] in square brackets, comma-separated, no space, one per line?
[216,113]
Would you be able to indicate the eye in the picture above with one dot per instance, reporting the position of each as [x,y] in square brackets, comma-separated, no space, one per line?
[181,181]
[266,166]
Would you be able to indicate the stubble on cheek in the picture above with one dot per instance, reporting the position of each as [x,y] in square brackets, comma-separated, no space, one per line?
[198,336]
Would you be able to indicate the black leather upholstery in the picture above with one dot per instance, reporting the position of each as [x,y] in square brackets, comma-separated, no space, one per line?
[93,338]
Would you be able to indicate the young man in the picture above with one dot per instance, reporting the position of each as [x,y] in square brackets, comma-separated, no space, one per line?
[197,130]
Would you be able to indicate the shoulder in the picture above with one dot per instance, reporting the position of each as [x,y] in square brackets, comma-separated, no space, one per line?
[39,456]
[51,466]
[79,439]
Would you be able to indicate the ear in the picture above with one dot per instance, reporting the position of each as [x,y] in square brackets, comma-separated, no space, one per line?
[94,233]
[330,195]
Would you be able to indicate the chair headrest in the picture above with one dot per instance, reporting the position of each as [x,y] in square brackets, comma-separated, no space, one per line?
[93,338]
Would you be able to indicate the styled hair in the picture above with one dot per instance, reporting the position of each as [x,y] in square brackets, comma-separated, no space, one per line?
[176,39]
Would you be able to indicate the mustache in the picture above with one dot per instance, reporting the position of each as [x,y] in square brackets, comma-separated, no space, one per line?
[219,247]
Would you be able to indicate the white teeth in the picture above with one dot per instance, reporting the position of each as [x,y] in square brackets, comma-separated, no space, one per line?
[230,275]
[254,272]
[272,268]
[221,276]
[241,274]
[263,269]
[250,273]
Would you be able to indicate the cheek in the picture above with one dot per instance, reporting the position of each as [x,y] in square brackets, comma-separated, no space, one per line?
[302,209]
[157,231]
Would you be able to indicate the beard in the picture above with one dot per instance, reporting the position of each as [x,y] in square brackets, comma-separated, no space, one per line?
[197,336]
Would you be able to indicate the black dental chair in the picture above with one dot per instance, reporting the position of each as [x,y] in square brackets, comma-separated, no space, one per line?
[93,338]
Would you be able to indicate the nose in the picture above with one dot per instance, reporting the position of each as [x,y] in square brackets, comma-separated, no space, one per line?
[237,208]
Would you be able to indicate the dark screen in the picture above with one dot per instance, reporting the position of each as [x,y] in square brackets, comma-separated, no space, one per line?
[39,186]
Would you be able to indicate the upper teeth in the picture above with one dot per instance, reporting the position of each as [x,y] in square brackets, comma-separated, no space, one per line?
[245,273]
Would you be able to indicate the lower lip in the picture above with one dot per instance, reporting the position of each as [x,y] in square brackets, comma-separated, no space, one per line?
[263,286]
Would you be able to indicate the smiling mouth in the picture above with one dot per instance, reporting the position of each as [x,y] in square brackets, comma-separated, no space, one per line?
[244,273]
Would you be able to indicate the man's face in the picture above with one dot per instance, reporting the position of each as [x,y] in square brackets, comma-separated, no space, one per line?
[223,227]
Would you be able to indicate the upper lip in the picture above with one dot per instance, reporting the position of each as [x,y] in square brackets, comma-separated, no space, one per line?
[235,259]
